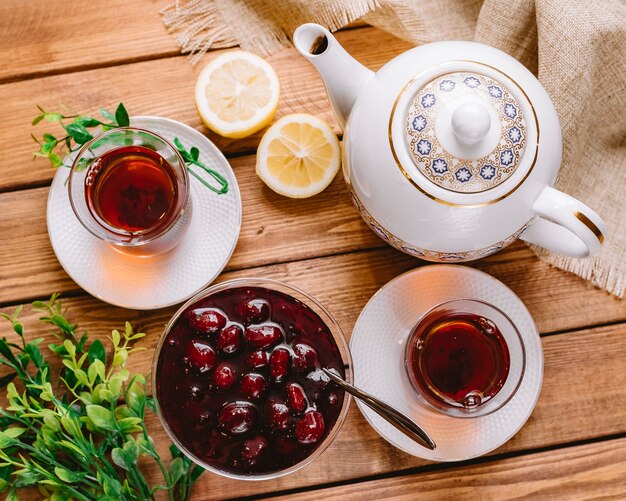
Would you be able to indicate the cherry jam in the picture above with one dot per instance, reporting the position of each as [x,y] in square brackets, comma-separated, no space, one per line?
[134,189]
[458,359]
[238,380]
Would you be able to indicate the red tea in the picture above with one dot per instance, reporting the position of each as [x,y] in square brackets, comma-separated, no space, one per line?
[459,359]
[132,188]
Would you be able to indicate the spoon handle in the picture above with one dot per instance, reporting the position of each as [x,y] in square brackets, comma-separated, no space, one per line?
[388,413]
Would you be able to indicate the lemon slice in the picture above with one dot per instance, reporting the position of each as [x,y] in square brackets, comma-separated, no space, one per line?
[237,94]
[298,156]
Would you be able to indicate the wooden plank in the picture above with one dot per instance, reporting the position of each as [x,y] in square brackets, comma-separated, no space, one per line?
[277,229]
[166,88]
[578,401]
[588,471]
[38,38]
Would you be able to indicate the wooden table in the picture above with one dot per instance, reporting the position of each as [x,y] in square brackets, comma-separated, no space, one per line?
[94,54]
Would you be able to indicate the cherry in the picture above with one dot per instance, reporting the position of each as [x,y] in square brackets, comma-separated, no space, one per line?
[237,418]
[332,398]
[253,449]
[283,444]
[296,399]
[258,359]
[224,376]
[230,338]
[304,358]
[310,428]
[263,336]
[253,386]
[277,415]
[207,320]
[195,392]
[256,311]
[200,355]
[279,364]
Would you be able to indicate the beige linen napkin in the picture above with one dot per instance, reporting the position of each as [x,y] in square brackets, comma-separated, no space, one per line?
[577,48]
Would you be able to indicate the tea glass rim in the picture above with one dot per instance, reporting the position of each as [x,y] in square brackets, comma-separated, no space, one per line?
[338,336]
[110,235]
[463,413]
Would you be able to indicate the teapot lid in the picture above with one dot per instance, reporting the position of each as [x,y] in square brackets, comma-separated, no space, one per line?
[465,131]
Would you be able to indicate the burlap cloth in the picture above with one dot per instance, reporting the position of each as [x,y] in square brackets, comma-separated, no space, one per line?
[577,48]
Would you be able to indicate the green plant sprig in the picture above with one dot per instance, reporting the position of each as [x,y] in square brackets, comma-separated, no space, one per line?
[77,133]
[83,439]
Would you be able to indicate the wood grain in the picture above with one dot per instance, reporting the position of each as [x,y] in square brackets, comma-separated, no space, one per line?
[591,471]
[38,38]
[165,88]
[88,55]
[276,229]
[572,361]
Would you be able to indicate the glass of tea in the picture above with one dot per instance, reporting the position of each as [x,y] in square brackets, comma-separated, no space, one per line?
[130,188]
[465,358]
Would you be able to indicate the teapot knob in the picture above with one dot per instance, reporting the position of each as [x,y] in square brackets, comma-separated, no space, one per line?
[471,122]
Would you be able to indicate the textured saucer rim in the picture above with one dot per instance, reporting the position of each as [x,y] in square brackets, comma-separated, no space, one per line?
[233,185]
[369,414]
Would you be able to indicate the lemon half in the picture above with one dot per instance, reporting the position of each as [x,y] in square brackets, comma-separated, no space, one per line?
[237,94]
[298,156]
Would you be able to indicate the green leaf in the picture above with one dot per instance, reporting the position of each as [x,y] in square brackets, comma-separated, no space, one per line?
[115,337]
[49,138]
[55,160]
[78,133]
[132,450]
[35,354]
[12,495]
[6,440]
[14,432]
[107,114]
[129,425]
[60,496]
[37,119]
[177,470]
[67,476]
[26,477]
[121,116]
[150,404]
[100,369]
[6,351]
[136,395]
[73,447]
[195,473]
[96,352]
[46,148]
[81,377]
[101,417]
[87,121]
[195,153]
[53,117]
[119,458]
[175,451]
[69,347]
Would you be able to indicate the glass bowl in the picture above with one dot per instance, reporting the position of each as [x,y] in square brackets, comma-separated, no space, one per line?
[475,403]
[179,326]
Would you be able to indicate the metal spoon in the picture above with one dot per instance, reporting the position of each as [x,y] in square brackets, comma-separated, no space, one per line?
[388,413]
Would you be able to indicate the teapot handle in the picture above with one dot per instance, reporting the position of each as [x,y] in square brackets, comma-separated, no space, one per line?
[565,225]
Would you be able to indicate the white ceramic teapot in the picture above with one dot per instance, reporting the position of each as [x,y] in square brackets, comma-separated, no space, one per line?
[451,150]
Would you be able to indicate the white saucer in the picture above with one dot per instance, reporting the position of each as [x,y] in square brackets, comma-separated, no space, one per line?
[159,281]
[378,344]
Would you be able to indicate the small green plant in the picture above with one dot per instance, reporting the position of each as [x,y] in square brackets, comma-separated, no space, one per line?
[81,438]
[79,132]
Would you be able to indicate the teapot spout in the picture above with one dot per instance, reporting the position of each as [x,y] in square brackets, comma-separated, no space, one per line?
[343,75]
